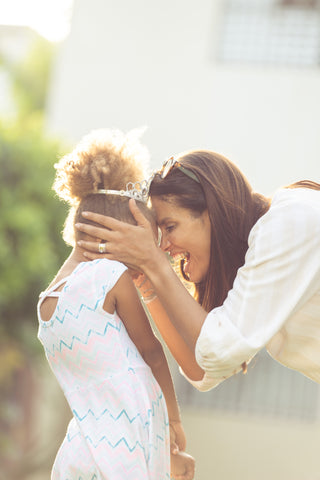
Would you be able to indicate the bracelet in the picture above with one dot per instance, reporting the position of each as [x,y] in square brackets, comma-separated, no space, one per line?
[143,281]
[147,293]
[149,299]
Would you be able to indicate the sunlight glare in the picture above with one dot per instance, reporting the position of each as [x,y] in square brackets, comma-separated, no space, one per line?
[50,18]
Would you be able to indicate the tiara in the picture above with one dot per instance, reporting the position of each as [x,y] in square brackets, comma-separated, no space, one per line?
[137,191]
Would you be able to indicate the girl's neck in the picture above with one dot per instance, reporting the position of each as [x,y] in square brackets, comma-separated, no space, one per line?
[75,257]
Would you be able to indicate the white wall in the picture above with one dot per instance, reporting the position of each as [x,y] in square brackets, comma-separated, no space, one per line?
[127,64]
[251,448]
[268,123]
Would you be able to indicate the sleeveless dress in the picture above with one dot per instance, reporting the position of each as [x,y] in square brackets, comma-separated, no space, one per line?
[120,427]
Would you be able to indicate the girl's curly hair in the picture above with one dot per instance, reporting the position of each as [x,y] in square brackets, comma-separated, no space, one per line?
[103,159]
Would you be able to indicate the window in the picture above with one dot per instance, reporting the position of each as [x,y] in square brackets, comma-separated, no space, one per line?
[272,32]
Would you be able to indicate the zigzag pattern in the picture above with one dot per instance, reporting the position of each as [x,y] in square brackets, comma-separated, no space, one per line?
[76,338]
[151,412]
[120,425]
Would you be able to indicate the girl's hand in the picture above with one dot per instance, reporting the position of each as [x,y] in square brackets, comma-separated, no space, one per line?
[178,440]
[134,245]
[182,466]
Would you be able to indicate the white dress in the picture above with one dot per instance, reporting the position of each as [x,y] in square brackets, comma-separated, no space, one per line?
[275,299]
[119,428]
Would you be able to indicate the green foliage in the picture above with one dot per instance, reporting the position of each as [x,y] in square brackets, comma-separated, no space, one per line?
[31,247]
[30,76]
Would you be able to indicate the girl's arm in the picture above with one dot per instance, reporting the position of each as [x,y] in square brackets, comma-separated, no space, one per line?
[131,312]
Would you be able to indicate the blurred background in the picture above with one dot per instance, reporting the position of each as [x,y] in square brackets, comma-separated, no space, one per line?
[241,77]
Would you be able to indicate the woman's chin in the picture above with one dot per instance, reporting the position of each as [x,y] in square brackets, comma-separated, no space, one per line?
[192,274]
[194,277]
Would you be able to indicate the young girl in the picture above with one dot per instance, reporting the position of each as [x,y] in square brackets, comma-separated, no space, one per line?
[98,340]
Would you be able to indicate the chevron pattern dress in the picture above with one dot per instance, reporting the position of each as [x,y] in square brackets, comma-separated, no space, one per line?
[119,428]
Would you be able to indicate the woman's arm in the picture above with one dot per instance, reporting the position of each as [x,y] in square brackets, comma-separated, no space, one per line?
[131,312]
[183,355]
[281,258]
[135,246]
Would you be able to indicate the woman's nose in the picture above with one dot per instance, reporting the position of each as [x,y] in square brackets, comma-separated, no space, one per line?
[164,243]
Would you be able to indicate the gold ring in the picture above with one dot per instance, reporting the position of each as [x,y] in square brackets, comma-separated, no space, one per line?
[102,248]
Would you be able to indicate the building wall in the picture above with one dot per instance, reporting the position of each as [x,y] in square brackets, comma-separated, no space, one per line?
[233,447]
[127,64]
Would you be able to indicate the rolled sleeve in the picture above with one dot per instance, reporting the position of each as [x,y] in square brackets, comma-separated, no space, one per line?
[205,384]
[221,349]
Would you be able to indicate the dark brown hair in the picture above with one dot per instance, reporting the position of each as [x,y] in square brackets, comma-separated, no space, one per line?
[305,184]
[233,209]
[114,206]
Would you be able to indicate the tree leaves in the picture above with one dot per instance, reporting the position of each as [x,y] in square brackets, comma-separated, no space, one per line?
[31,219]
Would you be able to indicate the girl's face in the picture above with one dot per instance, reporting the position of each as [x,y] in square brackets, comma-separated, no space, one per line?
[183,234]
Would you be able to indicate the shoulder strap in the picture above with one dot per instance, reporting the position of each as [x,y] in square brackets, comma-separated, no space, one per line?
[51,291]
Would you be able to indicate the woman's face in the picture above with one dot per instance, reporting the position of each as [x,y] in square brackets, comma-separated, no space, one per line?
[184,234]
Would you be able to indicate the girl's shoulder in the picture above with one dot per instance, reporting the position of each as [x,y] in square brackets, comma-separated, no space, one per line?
[107,271]
[100,264]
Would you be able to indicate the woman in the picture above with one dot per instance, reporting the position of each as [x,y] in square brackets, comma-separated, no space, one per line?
[254,263]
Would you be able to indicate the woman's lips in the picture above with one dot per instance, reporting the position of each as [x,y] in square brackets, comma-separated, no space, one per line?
[185,256]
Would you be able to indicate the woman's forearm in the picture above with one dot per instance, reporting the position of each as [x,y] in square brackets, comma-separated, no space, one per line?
[183,355]
[186,315]
[135,246]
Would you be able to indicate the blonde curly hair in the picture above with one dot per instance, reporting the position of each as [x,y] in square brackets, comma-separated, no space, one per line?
[103,159]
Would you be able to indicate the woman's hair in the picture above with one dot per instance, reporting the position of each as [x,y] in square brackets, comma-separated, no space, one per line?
[305,184]
[233,209]
[104,159]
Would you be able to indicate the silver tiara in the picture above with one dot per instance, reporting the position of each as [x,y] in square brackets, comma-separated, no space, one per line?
[138,191]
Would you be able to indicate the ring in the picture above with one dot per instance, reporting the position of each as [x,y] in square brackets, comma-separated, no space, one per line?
[102,248]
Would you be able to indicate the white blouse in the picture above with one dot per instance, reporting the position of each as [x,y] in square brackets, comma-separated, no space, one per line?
[275,299]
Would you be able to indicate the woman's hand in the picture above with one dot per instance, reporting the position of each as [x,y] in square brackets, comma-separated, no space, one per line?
[134,245]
